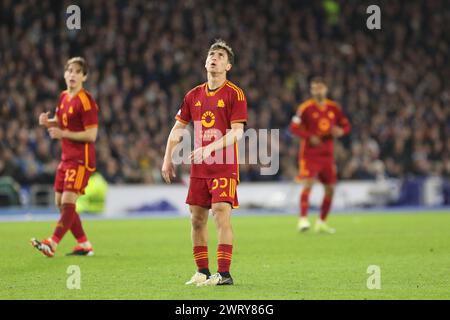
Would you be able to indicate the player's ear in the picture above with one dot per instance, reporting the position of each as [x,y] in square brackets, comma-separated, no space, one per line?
[228,67]
[85,77]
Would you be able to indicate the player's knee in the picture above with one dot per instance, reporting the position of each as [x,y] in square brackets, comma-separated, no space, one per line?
[221,209]
[222,217]
[224,226]
[329,190]
[223,223]
[198,222]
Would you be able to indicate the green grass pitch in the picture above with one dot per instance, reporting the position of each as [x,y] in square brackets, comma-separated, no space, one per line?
[151,259]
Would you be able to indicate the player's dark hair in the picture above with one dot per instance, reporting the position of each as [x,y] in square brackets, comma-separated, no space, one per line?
[80,61]
[318,80]
[221,44]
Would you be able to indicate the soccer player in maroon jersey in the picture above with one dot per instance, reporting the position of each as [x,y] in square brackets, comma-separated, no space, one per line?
[75,124]
[318,122]
[218,109]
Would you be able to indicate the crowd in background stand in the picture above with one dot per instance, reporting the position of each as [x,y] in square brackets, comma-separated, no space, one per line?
[144,56]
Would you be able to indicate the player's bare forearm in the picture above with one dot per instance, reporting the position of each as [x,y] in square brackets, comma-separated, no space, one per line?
[170,148]
[299,130]
[341,130]
[175,136]
[88,135]
[232,136]
[174,139]
[346,126]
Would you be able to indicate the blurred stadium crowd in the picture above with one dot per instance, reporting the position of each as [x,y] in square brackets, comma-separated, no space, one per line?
[145,55]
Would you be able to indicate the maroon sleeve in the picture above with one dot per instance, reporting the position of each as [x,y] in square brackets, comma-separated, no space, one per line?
[184,114]
[238,108]
[60,99]
[61,95]
[343,121]
[300,129]
[89,113]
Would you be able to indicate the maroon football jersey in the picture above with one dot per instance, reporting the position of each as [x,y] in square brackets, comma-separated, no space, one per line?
[212,113]
[318,120]
[78,113]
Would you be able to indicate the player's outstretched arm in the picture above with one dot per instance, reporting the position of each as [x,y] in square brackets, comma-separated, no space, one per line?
[232,136]
[168,169]
[88,135]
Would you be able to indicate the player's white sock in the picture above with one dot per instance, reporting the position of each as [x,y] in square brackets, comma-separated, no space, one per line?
[85,244]
[303,224]
[53,243]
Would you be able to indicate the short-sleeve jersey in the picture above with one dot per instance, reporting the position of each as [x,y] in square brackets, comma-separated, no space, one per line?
[318,120]
[212,113]
[76,114]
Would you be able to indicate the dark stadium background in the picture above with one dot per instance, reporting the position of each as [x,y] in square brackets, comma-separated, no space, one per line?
[144,55]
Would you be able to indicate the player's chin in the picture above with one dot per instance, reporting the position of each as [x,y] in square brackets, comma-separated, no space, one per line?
[71,84]
[214,69]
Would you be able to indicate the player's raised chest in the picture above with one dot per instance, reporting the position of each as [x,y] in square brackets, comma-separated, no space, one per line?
[323,118]
[69,113]
[212,111]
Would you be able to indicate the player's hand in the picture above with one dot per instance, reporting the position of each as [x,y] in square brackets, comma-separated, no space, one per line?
[337,132]
[168,171]
[200,154]
[296,119]
[43,119]
[314,140]
[56,133]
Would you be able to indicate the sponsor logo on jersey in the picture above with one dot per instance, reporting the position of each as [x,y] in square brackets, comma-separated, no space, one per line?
[324,124]
[208,119]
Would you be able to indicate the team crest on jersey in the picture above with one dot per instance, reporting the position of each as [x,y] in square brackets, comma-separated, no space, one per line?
[331,114]
[324,124]
[220,103]
[315,115]
[198,103]
[70,109]
[208,119]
